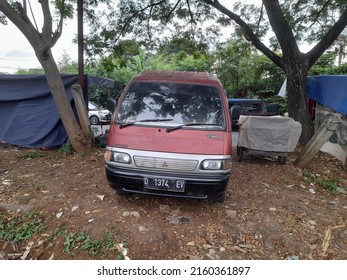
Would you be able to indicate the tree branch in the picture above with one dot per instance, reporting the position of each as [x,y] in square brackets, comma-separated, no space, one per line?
[172,10]
[134,15]
[327,40]
[48,36]
[248,33]
[192,21]
[261,15]
[281,28]
[148,23]
[32,14]
[319,12]
[47,29]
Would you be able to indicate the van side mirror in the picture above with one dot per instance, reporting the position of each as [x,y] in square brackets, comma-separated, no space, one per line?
[111,104]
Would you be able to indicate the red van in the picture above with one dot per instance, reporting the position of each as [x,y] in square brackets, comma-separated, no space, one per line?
[170,135]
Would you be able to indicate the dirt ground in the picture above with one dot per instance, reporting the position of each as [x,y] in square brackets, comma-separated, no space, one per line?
[272,211]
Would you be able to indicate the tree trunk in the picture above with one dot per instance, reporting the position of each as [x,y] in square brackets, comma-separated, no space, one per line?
[297,99]
[77,138]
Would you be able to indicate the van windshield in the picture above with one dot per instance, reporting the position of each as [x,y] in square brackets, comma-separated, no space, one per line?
[174,104]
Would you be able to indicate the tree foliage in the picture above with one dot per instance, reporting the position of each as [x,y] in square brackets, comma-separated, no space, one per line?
[151,22]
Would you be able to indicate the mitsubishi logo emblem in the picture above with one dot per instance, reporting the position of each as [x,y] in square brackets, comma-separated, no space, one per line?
[164,164]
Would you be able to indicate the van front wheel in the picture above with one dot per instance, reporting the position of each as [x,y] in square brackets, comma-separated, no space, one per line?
[282,160]
[239,153]
[121,192]
[219,199]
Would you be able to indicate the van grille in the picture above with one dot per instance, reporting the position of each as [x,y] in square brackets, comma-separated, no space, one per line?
[166,164]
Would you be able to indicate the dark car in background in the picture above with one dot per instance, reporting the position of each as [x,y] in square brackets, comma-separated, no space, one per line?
[248,106]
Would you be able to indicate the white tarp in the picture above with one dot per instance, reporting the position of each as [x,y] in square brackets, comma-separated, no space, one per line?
[337,144]
[269,133]
[338,151]
[283,89]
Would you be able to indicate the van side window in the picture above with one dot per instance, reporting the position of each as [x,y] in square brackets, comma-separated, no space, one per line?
[252,108]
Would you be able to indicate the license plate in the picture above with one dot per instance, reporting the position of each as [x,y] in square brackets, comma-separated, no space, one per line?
[164,184]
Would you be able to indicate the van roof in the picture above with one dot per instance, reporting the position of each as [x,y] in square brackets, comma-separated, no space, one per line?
[178,76]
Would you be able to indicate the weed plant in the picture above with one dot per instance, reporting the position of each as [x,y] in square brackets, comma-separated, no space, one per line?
[66,149]
[20,228]
[332,185]
[31,154]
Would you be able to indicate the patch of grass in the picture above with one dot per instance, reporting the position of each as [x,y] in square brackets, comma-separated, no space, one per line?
[77,242]
[57,233]
[82,154]
[308,176]
[69,242]
[89,244]
[81,241]
[20,228]
[332,185]
[107,242]
[31,154]
[120,257]
[66,149]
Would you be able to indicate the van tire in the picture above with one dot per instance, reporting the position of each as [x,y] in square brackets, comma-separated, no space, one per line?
[121,192]
[218,199]
[282,160]
[239,153]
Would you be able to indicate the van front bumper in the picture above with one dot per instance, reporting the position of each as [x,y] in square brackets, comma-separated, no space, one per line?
[200,186]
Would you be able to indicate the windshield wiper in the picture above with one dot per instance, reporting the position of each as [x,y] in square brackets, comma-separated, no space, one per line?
[169,129]
[141,121]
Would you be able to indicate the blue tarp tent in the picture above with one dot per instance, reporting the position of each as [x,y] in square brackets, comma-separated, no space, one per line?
[330,91]
[331,94]
[28,115]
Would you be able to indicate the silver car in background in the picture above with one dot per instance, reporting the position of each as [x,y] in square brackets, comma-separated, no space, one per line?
[97,114]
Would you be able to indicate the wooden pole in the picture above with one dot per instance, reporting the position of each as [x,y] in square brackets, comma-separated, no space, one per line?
[80,43]
[324,132]
[81,109]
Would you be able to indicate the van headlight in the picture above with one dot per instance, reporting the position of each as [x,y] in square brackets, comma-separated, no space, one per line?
[216,164]
[117,157]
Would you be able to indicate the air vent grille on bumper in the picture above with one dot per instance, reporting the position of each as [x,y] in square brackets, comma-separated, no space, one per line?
[166,164]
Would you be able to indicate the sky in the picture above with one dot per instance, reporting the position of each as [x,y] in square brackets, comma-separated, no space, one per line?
[16,52]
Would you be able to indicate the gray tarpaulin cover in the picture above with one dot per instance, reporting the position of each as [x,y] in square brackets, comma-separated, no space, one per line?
[269,133]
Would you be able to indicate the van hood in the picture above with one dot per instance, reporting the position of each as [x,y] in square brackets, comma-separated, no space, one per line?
[190,141]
